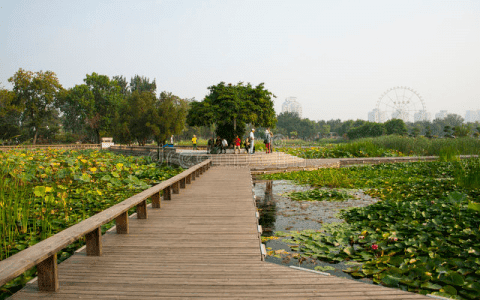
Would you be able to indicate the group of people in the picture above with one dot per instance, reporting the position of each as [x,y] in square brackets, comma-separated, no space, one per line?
[220,145]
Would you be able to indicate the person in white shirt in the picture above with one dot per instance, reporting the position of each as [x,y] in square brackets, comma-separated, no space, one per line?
[252,141]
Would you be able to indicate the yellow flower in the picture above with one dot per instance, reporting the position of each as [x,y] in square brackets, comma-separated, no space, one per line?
[93,169]
[84,161]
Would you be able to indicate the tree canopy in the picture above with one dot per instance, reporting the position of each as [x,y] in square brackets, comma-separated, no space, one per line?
[232,107]
[35,94]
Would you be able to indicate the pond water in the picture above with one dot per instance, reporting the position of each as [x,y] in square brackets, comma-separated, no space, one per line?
[280,213]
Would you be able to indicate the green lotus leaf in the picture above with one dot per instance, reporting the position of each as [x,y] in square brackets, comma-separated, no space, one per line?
[449,290]
[391,280]
[431,286]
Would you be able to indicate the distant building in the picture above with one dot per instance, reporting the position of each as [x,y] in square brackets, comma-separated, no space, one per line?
[422,115]
[377,116]
[472,116]
[441,115]
[291,105]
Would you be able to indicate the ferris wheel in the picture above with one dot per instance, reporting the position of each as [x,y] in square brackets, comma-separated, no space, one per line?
[400,102]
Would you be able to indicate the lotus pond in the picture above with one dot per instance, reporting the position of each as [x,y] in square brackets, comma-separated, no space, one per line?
[422,236]
[43,192]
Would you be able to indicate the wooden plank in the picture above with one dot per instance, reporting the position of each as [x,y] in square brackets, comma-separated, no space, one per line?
[142,210]
[156,201]
[121,223]
[94,242]
[182,183]
[48,274]
[175,188]
[167,193]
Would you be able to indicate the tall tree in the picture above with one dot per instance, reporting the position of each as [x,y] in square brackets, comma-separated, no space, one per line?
[36,93]
[9,115]
[396,126]
[231,107]
[142,84]
[171,112]
[140,115]
[288,122]
[75,104]
[101,103]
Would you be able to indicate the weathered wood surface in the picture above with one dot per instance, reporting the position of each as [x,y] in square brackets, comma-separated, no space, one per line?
[202,243]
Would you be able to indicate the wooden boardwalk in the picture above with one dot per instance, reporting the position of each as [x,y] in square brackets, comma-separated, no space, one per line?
[203,243]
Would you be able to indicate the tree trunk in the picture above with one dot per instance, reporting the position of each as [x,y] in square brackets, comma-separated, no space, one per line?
[35,136]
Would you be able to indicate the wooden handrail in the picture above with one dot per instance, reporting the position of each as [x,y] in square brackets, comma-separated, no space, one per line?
[54,146]
[43,253]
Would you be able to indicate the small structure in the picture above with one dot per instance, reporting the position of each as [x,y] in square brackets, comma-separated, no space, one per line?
[107,142]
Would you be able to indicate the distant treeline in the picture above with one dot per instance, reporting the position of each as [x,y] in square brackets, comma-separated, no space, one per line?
[40,110]
[291,125]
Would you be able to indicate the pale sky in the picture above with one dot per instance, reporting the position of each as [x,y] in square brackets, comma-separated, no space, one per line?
[336,57]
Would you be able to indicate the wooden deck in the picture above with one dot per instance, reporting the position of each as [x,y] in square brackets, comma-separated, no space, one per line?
[203,243]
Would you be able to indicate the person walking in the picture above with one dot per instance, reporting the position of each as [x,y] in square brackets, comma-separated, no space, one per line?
[224,146]
[268,141]
[194,141]
[236,143]
[252,141]
[171,140]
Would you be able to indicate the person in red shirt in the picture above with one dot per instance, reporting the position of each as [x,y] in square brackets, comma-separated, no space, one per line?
[236,143]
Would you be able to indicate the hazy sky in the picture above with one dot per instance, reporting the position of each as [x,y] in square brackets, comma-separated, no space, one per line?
[336,57]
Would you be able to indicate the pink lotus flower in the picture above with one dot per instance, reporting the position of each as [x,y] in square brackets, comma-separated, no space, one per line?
[374,247]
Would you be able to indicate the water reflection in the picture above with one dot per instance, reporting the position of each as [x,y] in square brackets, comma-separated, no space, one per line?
[280,213]
[268,209]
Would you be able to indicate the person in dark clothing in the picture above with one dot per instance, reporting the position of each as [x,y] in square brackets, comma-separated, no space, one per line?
[210,145]
[218,145]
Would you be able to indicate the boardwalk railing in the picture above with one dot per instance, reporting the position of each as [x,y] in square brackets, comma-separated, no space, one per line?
[58,146]
[44,254]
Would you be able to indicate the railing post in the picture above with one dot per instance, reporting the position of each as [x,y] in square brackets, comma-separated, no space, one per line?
[122,223]
[194,174]
[94,242]
[182,183]
[167,193]
[155,200]
[188,179]
[48,274]
[175,188]
[142,210]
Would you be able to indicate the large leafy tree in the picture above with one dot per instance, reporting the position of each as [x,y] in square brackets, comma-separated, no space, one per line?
[9,115]
[74,105]
[288,122]
[136,116]
[171,112]
[36,94]
[102,103]
[396,126]
[232,107]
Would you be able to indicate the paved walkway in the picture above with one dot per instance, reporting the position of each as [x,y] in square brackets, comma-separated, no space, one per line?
[202,244]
